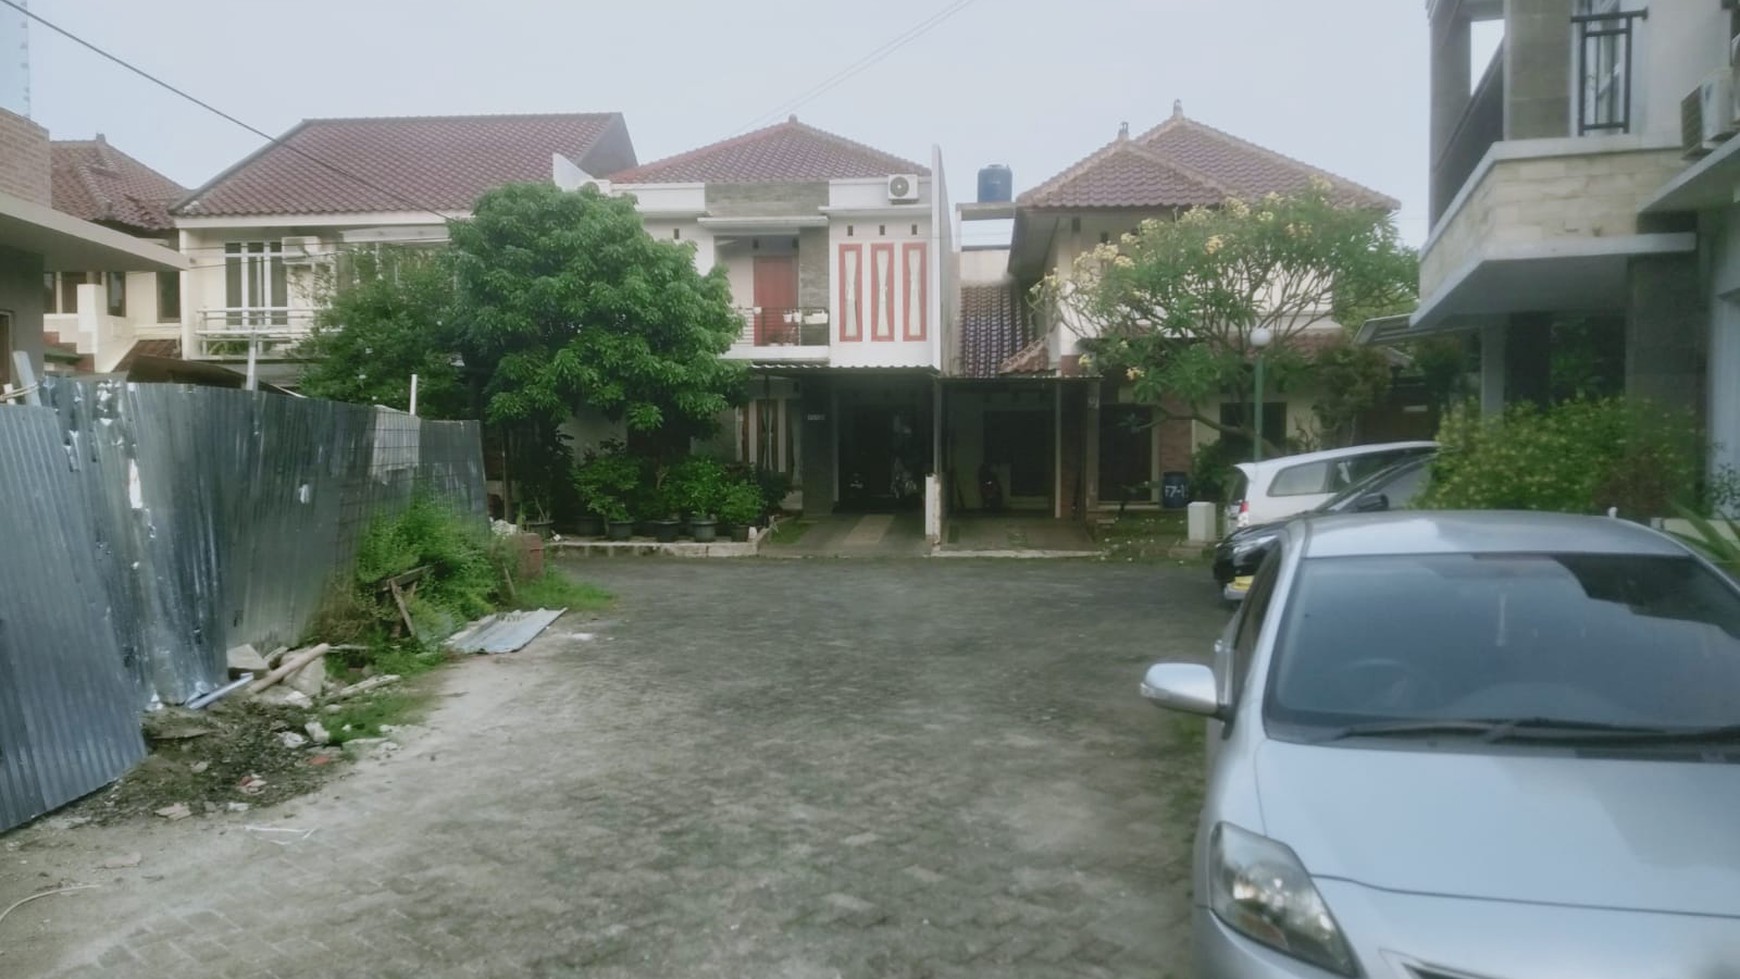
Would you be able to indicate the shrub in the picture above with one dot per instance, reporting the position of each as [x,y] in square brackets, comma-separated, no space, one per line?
[607,480]
[1211,468]
[1575,457]
[742,505]
[697,486]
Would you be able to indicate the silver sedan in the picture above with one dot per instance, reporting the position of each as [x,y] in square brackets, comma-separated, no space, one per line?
[1471,746]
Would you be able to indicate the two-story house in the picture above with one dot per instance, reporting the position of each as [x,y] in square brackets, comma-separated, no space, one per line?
[1020,407]
[98,318]
[836,254]
[1582,190]
[260,233]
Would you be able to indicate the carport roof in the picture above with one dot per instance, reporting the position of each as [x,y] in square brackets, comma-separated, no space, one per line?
[67,243]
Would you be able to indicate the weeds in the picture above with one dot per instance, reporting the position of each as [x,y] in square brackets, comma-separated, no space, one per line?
[789,532]
[364,718]
[554,590]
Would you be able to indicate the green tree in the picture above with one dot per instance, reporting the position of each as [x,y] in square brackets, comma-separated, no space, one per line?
[1353,379]
[565,301]
[387,314]
[1174,306]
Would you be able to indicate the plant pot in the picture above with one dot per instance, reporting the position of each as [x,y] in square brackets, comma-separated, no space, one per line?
[665,531]
[704,531]
[740,533]
[543,528]
[619,529]
[589,526]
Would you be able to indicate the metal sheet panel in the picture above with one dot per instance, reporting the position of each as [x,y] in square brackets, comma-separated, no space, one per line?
[68,723]
[505,633]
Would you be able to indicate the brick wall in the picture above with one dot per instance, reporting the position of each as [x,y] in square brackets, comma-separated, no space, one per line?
[813,266]
[24,166]
[1543,198]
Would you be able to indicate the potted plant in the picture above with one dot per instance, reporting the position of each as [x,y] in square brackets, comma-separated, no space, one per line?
[617,523]
[606,480]
[740,508]
[659,509]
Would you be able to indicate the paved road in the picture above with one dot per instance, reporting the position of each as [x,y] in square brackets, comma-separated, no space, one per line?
[757,769]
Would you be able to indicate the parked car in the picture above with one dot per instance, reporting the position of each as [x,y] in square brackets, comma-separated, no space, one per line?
[1263,492]
[1469,744]
[1240,553]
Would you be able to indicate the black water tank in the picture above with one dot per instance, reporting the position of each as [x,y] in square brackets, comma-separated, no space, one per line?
[996,184]
[1174,490]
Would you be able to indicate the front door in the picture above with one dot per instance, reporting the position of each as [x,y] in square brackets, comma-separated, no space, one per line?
[776,296]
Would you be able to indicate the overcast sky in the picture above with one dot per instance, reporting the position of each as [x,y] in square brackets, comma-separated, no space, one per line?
[1036,84]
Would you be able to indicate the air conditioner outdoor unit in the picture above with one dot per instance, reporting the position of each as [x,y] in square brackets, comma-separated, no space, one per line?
[1716,108]
[301,249]
[903,188]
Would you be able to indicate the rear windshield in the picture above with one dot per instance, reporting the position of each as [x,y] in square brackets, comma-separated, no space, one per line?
[1236,486]
[1610,639]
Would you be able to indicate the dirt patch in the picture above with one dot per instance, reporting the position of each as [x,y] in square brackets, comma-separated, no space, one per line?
[231,755]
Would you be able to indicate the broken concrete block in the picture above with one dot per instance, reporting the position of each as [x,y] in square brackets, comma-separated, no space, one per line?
[177,811]
[317,732]
[282,696]
[246,659]
[310,680]
[290,739]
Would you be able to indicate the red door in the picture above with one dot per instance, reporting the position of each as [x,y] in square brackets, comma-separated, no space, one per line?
[776,295]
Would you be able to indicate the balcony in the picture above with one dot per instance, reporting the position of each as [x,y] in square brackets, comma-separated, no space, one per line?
[271,332]
[788,334]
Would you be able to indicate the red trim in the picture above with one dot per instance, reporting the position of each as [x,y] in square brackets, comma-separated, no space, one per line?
[854,301]
[917,318]
[882,291]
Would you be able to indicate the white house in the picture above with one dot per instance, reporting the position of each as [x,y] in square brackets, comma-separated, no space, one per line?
[258,232]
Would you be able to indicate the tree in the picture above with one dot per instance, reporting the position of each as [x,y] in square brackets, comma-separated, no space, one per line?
[1173,307]
[565,301]
[386,315]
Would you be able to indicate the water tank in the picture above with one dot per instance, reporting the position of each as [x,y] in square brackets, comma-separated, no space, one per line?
[996,184]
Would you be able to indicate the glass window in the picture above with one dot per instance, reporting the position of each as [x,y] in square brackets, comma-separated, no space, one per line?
[50,294]
[69,291]
[5,348]
[255,284]
[1254,609]
[169,297]
[1302,480]
[1579,638]
[115,285]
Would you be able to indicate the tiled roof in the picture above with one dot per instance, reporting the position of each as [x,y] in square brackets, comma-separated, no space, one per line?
[1183,163]
[1124,174]
[993,328]
[94,181]
[1035,358]
[437,163]
[170,349]
[789,151]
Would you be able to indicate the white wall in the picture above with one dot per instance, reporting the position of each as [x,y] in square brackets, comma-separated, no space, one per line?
[1680,43]
[1721,232]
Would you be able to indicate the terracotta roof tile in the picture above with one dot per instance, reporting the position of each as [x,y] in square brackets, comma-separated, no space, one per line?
[1183,163]
[1035,358]
[993,327]
[149,348]
[1251,170]
[1124,174]
[789,151]
[437,163]
[96,182]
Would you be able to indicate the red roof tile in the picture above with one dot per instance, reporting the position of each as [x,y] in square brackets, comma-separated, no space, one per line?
[437,163]
[789,151]
[149,348]
[96,182]
[1183,163]
[993,328]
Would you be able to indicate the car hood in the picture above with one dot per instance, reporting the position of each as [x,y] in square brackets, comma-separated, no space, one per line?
[1253,532]
[1642,835]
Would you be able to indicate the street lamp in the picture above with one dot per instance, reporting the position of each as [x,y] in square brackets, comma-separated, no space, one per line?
[1260,338]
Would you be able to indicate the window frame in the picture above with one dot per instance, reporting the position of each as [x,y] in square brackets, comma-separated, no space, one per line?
[115,293]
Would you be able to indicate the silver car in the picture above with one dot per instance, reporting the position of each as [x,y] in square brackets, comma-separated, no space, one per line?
[1471,746]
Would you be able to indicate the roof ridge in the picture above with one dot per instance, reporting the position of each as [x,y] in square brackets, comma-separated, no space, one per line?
[742,139]
[1180,121]
[462,116]
[1106,152]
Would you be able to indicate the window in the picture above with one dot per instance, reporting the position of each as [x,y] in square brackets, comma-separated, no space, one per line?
[1312,477]
[1254,610]
[69,291]
[169,297]
[255,287]
[5,348]
[115,284]
[50,293]
[1604,54]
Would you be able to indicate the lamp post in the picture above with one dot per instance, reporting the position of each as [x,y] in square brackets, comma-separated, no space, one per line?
[1260,338]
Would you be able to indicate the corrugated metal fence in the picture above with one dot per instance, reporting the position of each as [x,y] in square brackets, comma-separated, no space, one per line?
[146,529]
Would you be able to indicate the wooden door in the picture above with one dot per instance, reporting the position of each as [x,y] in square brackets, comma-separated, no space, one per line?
[776,295]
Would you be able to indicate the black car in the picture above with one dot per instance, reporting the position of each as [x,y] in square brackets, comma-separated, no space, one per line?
[1240,552]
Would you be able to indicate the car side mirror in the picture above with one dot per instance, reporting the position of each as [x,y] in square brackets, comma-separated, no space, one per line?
[1186,687]
[1373,503]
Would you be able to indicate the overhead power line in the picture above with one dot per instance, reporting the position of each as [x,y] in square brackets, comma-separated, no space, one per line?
[852,70]
[153,79]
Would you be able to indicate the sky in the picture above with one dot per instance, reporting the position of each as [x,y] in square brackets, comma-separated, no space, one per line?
[1033,84]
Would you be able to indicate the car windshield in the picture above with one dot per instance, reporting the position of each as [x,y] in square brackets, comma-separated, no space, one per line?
[1624,642]
[1377,482]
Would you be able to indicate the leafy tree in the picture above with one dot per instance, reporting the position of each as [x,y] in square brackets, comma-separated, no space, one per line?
[1353,380]
[565,300]
[1174,306]
[386,316]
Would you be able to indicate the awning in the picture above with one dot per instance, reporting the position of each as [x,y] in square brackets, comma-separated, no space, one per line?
[69,244]
[1706,184]
[1565,275]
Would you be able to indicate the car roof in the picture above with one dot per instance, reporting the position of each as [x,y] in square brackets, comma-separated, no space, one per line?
[1484,532]
[1281,462]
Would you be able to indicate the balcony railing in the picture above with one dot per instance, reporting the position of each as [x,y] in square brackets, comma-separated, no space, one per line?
[271,332]
[1604,46]
[1481,125]
[766,326]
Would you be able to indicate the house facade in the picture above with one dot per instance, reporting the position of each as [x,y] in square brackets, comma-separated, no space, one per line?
[1582,186]
[1022,409]
[261,235]
[837,254]
[42,246]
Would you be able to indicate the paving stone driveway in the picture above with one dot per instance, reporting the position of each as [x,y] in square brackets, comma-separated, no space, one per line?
[756,769]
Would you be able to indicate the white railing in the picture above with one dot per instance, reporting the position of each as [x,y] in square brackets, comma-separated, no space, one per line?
[766,326]
[272,332]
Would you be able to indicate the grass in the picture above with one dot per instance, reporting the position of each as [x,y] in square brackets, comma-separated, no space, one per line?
[1150,535]
[553,590]
[789,531]
[363,718]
